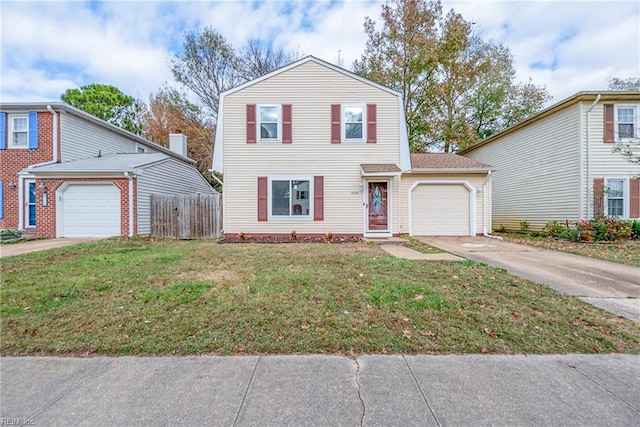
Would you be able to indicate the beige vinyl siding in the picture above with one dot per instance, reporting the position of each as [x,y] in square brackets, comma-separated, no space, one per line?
[537,171]
[311,89]
[167,177]
[476,180]
[82,138]
[604,162]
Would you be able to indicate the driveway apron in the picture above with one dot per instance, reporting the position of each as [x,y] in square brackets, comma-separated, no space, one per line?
[611,286]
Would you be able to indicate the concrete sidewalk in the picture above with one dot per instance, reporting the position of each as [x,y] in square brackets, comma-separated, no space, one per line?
[322,390]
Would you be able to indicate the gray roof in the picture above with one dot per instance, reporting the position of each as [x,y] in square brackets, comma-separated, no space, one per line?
[106,163]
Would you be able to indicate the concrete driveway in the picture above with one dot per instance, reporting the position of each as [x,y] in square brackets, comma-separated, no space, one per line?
[41,245]
[614,287]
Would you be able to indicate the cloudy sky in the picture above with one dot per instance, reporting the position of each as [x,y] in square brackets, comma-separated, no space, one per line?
[48,47]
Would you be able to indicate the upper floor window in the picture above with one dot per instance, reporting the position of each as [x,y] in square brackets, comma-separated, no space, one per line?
[18,131]
[269,122]
[354,117]
[626,122]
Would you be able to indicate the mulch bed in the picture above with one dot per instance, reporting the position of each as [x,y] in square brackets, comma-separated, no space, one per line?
[289,239]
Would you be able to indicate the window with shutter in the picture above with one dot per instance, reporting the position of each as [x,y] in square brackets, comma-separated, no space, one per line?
[598,196]
[33,130]
[608,123]
[263,211]
[3,131]
[251,124]
[318,198]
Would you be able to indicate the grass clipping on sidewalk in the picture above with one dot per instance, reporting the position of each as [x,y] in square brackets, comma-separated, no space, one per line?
[167,297]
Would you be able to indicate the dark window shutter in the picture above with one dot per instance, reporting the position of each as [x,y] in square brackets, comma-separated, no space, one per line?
[3,131]
[286,124]
[371,123]
[251,123]
[263,213]
[33,129]
[335,124]
[634,198]
[318,198]
[609,133]
[598,196]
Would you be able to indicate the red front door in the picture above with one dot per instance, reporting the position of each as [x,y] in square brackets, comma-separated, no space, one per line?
[377,206]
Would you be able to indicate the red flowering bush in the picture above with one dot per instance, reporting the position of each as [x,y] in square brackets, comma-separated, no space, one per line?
[597,229]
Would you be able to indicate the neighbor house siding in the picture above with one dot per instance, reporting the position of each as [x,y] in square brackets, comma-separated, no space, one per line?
[604,162]
[537,171]
[82,138]
[310,89]
[475,180]
[167,177]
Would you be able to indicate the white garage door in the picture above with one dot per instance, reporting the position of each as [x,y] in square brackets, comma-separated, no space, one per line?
[91,210]
[440,210]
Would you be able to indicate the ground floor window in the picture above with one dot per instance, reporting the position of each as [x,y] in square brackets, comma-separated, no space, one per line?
[615,197]
[290,197]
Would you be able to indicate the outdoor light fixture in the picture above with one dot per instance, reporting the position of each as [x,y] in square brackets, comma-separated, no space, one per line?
[12,185]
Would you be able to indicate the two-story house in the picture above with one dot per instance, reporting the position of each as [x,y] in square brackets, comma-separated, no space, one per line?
[314,149]
[560,164]
[66,173]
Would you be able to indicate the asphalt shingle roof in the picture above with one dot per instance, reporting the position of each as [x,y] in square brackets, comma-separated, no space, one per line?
[106,163]
[444,161]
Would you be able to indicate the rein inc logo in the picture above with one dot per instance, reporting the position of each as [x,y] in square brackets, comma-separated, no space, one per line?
[16,422]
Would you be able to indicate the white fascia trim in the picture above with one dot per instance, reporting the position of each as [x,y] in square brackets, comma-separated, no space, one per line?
[380,174]
[472,201]
[217,163]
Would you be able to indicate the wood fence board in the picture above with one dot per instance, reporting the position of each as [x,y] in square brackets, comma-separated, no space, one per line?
[186,216]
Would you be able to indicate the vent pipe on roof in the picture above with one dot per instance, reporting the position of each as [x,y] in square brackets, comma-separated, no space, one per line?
[178,144]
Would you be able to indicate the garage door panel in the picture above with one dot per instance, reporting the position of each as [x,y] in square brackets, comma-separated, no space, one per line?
[91,210]
[440,210]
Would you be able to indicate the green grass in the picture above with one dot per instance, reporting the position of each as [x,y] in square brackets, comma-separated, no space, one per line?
[623,252]
[145,297]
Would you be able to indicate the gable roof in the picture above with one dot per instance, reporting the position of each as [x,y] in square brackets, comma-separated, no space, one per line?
[217,165]
[111,163]
[304,61]
[585,96]
[61,106]
[443,162]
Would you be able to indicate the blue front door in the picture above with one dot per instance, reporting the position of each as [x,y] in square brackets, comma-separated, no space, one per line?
[31,204]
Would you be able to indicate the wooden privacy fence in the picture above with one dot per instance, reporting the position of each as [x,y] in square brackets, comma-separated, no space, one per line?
[186,216]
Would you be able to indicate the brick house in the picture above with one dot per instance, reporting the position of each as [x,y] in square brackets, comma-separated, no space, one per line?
[66,173]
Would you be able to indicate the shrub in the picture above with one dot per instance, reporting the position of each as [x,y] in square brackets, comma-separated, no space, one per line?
[597,229]
[635,229]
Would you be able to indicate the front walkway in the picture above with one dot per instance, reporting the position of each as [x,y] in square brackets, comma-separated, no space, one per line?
[12,249]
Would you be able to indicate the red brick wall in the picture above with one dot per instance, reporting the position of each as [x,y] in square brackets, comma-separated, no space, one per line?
[46,223]
[13,160]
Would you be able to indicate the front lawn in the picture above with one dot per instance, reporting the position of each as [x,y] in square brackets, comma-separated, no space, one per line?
[144,297]
[624,252]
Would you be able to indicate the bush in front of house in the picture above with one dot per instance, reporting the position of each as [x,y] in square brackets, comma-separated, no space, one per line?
[598,229]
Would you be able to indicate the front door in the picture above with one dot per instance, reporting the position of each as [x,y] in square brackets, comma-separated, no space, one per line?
[30,203]
[377,207]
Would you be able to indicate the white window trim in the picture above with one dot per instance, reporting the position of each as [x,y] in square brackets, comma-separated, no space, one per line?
[308,217]
[636,122]
[10,144]
[625,196]
[258,123]
[343,122]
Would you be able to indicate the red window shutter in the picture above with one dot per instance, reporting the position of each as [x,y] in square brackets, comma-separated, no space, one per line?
[335,124]
[263,213]
[251,123]
[286,124]
[318,198]
[634,197]
[608,123]
[371,123]
[598,196]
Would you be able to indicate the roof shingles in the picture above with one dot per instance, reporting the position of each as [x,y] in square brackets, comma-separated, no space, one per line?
[444,161]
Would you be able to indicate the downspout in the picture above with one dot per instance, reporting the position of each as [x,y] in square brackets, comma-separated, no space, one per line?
[485,209]
[56,138]
[588,144]
[126,174]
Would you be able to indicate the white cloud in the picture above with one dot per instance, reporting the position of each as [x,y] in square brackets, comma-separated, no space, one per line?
[48,47]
